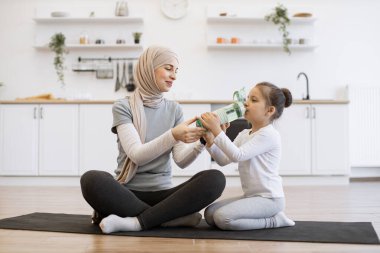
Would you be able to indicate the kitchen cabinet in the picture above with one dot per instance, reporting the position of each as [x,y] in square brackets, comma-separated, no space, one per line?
[19,140]
[98,146]
[203,161]
[39,139]
[314,139]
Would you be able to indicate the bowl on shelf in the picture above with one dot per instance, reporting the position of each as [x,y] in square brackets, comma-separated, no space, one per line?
[302,15]
[59,14]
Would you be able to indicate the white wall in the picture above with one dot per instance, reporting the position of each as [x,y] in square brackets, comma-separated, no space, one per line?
[347,32]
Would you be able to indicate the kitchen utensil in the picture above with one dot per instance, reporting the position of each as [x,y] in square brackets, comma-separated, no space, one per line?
[104,71]
[124,76]
[130,86]
[83,67]
[117,85]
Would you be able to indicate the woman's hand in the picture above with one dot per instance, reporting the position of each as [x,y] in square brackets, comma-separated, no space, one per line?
[211,122]
[183,132]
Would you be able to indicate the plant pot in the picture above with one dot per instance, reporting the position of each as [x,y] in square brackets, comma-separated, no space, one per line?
[137,41]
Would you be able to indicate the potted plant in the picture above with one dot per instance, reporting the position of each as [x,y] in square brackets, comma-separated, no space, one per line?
[280,17]
[57,45]
[136,37]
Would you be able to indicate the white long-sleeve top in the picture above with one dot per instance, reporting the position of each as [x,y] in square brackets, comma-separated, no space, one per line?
[258,156]
[141,154]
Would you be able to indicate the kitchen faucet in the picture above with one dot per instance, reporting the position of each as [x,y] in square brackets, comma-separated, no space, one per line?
[307,85]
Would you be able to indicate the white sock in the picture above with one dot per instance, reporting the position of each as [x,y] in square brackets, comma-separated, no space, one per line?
[282,220]
[190,220]
[114,223]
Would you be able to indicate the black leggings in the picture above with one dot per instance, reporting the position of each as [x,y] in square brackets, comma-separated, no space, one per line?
[107,196]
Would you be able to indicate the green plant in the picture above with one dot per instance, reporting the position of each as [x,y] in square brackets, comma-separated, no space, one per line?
[57,45]
[137,36]
[280,17]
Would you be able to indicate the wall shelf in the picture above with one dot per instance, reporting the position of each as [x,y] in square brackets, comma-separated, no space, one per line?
[260,46]
[96,46]
[108,28]
[252,20]
[121,20]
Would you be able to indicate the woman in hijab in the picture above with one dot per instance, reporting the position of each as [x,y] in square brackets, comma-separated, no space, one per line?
[149,130]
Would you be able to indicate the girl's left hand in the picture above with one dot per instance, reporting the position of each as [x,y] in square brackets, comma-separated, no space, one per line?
[211,122]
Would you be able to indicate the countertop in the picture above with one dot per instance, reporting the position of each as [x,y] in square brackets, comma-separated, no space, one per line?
[62,101]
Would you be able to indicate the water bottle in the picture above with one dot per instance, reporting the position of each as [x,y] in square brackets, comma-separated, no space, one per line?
[230,112]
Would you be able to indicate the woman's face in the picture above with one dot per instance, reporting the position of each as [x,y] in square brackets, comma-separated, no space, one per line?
[166,75]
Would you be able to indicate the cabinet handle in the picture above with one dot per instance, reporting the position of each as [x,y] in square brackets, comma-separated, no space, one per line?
[307,112]
[41,113]
[314,113]
[35,113]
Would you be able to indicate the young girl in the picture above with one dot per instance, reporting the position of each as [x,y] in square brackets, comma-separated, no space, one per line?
[258,152]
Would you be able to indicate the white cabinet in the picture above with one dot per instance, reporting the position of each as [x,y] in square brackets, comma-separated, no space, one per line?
[295,129]
[203,161]
[314,139]
[39,139]
[18,140]
[58,139]
[98,146]
[330,140]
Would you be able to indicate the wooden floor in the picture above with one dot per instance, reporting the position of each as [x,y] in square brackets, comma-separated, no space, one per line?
[359,201]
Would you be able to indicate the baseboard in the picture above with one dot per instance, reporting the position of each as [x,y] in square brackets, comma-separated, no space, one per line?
[365,172]
[232,181]
[40,181]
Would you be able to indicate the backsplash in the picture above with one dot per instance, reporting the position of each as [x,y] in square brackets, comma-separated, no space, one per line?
[346,51]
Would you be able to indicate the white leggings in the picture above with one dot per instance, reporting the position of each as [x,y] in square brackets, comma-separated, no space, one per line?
[241,213]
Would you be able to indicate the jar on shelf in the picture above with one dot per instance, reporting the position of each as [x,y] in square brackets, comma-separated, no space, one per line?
[83,39]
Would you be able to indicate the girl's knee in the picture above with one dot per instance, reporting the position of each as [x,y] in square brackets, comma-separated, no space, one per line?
[221,221]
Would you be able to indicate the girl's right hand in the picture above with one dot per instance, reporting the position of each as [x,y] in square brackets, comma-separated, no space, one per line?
[209,138]
[183,132]
[225,126]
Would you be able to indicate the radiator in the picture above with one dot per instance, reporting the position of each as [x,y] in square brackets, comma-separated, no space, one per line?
[364,109]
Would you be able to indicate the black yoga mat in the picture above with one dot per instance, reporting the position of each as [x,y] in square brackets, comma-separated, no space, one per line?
[303,231]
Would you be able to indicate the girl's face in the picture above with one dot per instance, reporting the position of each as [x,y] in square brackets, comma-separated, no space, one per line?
[166,75]
[257,112]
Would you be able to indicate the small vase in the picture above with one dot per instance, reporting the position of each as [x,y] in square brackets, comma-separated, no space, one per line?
[121,9]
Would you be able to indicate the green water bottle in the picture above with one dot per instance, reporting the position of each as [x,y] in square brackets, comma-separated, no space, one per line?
[232,111]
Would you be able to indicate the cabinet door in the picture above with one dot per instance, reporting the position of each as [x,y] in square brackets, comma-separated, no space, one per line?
[203,161]
[18,140]
[295,126]
[59,140]
[330,139]
[98,146]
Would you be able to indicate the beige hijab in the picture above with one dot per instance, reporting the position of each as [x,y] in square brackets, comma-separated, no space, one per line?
[147,94]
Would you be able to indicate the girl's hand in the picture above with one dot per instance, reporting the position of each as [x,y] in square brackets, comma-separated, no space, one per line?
[209,138]
[183,132]
[225,126]
[211,122]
